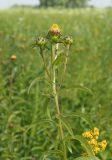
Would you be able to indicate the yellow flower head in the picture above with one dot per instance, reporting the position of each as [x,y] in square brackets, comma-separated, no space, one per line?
[96,150]
[55,30]
[103,145]
[87,134]
[13,58]
[93,142]
[95,132]
[92,138]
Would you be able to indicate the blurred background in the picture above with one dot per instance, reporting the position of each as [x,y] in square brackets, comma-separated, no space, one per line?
[25,102]
[52,3]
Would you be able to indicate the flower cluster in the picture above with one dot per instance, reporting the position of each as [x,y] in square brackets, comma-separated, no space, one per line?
[92,137]
[54,35]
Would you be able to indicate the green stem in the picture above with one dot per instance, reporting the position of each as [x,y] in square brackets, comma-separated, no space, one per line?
[54,55]
[66,58]
[45,66]
[65,66]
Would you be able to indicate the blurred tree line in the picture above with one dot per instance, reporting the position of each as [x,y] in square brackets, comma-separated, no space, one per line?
[63,3]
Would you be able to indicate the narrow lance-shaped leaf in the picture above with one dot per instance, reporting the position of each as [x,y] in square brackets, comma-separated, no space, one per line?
[85,144]
[86,158]
[80,115]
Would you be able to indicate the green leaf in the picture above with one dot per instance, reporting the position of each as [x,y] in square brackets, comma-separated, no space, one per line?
[69,146]
[55,153]
[81,87]
[58,60]
[86,158]
[80,115]
[48,113]
[33,83]
[85,144]
[67,126]
[26,158]
[13,115]
[81,139]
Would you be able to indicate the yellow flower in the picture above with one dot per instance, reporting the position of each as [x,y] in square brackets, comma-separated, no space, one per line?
[95,132]
[96,150]
[55,30]
[87,134]
[13,58]
[103,145]
[92,138]
[93,142]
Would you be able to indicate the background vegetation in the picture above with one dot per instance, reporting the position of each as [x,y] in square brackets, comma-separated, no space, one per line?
[63,3]
[24,133]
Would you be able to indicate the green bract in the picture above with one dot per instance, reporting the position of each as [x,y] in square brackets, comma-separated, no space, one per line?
[68,40]
[41,42]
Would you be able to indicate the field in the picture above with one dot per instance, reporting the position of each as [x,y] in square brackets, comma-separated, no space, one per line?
[24,108]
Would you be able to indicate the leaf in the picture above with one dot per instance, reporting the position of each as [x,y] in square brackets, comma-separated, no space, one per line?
[55,153]
[67,126]
[32,83]
[58,60]
[80,115]
[48,113]
[85,144]
[86,158]
[81,87]
[26,158]
[13,115]
[81,139]
[69,146]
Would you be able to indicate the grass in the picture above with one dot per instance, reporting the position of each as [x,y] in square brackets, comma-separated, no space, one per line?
[24,132]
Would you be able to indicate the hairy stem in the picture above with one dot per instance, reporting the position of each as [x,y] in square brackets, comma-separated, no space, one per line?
[66,58]
[54,56]
[65,66]
[45,66]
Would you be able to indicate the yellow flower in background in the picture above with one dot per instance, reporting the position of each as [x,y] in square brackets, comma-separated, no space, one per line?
[13,58]
[96,150]
[95,132]
[93,142]
[92,138]
[87,134]
[103,145]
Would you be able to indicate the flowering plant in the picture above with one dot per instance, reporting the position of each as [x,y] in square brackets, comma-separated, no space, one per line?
[53,40]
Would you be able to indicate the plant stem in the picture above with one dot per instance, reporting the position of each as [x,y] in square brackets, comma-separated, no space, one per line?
[65,65]
[66,58]
[54,56]
[45,66]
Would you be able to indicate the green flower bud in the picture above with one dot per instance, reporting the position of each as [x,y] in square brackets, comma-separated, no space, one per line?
[68,40]
[41,42]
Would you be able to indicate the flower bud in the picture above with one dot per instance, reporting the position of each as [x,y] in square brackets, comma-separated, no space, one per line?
[68,40]
[54,33]
[55,30]
[41,42]
[13,58]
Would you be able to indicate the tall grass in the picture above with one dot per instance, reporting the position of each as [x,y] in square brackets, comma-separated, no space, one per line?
[23,132]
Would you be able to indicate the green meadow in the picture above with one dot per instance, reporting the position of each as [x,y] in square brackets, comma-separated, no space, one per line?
[25,103]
